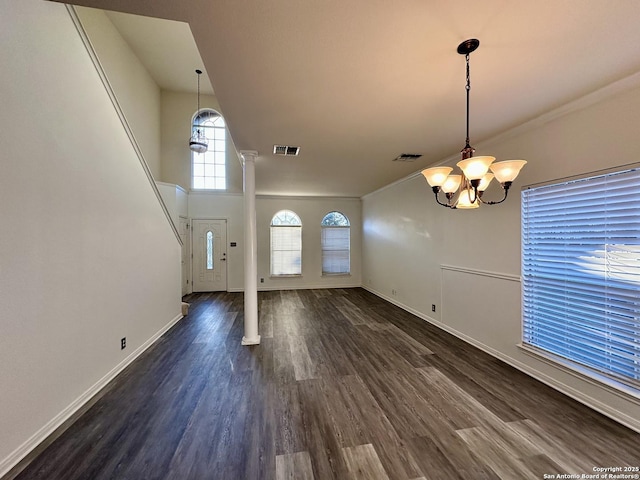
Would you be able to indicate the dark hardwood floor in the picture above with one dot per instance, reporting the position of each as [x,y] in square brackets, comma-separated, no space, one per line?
[343,385]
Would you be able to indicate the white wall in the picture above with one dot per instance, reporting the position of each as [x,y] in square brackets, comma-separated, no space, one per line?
[402,243]
[311,211]
[137,92]
[182,201]
[408,238]
[177,112]
[87,255]
[175,199]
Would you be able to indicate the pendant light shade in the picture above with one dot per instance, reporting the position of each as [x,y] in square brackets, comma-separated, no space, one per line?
[452,183]
[436,176]
[475,178]
[198,142]
[508,170]
[474,168]
[485,182]
[464,200]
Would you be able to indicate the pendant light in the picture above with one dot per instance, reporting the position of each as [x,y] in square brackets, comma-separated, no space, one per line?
[198,142]
[475,177]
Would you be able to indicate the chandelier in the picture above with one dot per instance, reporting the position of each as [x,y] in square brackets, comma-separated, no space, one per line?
[475,177]
[198,142]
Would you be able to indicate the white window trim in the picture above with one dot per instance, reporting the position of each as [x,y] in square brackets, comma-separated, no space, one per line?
[271,227]
[627,390]
[226,163]
[322,249]
[622,390]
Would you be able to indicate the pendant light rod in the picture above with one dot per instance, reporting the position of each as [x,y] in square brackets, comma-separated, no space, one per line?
[199,72]
[465,48]
[468,88]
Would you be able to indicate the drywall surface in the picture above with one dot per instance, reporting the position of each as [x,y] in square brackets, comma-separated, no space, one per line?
[175,199]
[87,256]
[137,92]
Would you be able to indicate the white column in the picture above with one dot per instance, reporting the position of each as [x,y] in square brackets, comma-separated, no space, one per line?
[251,336]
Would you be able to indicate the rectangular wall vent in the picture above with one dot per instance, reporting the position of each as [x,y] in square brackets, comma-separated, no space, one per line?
[407,157]
[286,150]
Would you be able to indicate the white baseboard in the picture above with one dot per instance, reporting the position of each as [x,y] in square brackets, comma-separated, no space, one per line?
[597,405]
[41,435]
[298,287]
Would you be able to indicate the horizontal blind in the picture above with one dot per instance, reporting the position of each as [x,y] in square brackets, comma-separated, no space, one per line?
[581,272]
[286,250]
[336,250]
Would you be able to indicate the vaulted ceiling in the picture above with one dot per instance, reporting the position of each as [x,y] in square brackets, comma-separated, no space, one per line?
[356,83]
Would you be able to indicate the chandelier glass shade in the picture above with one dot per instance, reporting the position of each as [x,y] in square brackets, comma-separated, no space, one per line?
[198,142]
[466,191]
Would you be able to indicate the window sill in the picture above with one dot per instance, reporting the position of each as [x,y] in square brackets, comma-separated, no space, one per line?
[208,190]
[293,275]
[567,366]
[336,274]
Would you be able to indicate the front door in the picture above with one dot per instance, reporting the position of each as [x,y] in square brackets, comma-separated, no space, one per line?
[209,255]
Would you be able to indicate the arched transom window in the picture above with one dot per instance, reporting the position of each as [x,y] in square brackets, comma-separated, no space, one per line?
[209,169]
[336,244]
[286,244]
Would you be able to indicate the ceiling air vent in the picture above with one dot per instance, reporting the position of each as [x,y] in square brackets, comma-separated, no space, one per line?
[286,150]
[407,157]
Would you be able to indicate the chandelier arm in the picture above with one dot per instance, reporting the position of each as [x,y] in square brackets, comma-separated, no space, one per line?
[473,185]
[505,186]
[436,191]
[476,196]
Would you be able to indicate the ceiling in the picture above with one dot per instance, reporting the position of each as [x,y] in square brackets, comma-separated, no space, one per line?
[167,50]
[356,83]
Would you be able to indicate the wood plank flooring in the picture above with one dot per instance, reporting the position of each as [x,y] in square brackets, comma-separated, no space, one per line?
[343,386]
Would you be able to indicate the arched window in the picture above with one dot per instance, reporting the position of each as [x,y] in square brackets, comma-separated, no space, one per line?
[209,169]
[336,244]
[286,244]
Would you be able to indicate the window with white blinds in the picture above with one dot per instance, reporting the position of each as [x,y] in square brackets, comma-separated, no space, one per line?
[286,244]
[581,273]
[336,244]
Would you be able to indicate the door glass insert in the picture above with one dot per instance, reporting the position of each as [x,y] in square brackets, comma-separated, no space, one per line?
[209,250]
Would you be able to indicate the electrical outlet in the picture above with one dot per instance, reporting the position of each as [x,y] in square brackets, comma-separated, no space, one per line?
[433,307]
[261,280]
[394,292]
[123,343]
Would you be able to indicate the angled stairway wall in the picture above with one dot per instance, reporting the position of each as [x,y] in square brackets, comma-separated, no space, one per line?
[87,254]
